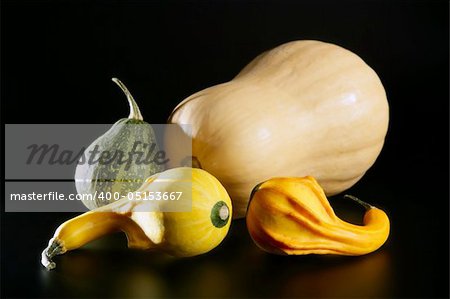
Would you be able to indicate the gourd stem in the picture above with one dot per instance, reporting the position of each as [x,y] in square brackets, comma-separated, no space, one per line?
[54,248]
[359,201]
[135,113]
[196,163]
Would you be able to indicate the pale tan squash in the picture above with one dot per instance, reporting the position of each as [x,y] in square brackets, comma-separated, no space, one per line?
[303,108]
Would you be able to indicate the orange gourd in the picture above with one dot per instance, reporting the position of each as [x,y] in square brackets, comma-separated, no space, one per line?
[293,216]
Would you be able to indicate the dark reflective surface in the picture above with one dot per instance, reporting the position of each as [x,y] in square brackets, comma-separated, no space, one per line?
[414,262]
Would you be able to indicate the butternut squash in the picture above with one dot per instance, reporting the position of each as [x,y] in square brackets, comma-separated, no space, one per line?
[303,108]
[293,216]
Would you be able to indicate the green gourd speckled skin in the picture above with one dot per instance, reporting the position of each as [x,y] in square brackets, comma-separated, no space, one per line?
[119,173]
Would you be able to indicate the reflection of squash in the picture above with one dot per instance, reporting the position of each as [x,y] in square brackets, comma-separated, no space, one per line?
[303,108]
[293,216]
[176,233]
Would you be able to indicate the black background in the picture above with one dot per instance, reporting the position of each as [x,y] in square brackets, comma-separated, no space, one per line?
[57,58]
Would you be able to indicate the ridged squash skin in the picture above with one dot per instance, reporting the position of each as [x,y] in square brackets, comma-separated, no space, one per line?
[121,172]
[293,216]
[117,178]
[303,108]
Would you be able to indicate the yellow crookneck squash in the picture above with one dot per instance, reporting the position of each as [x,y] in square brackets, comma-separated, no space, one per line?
[180,234]
[303,108]
[293,216]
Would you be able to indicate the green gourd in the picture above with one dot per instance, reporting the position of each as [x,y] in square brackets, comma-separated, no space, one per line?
[112,165]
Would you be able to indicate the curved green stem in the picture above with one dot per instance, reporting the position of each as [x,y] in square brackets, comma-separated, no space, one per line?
[359,201]
[135,113]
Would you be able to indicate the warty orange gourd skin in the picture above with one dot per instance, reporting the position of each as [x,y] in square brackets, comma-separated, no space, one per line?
[293,216]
